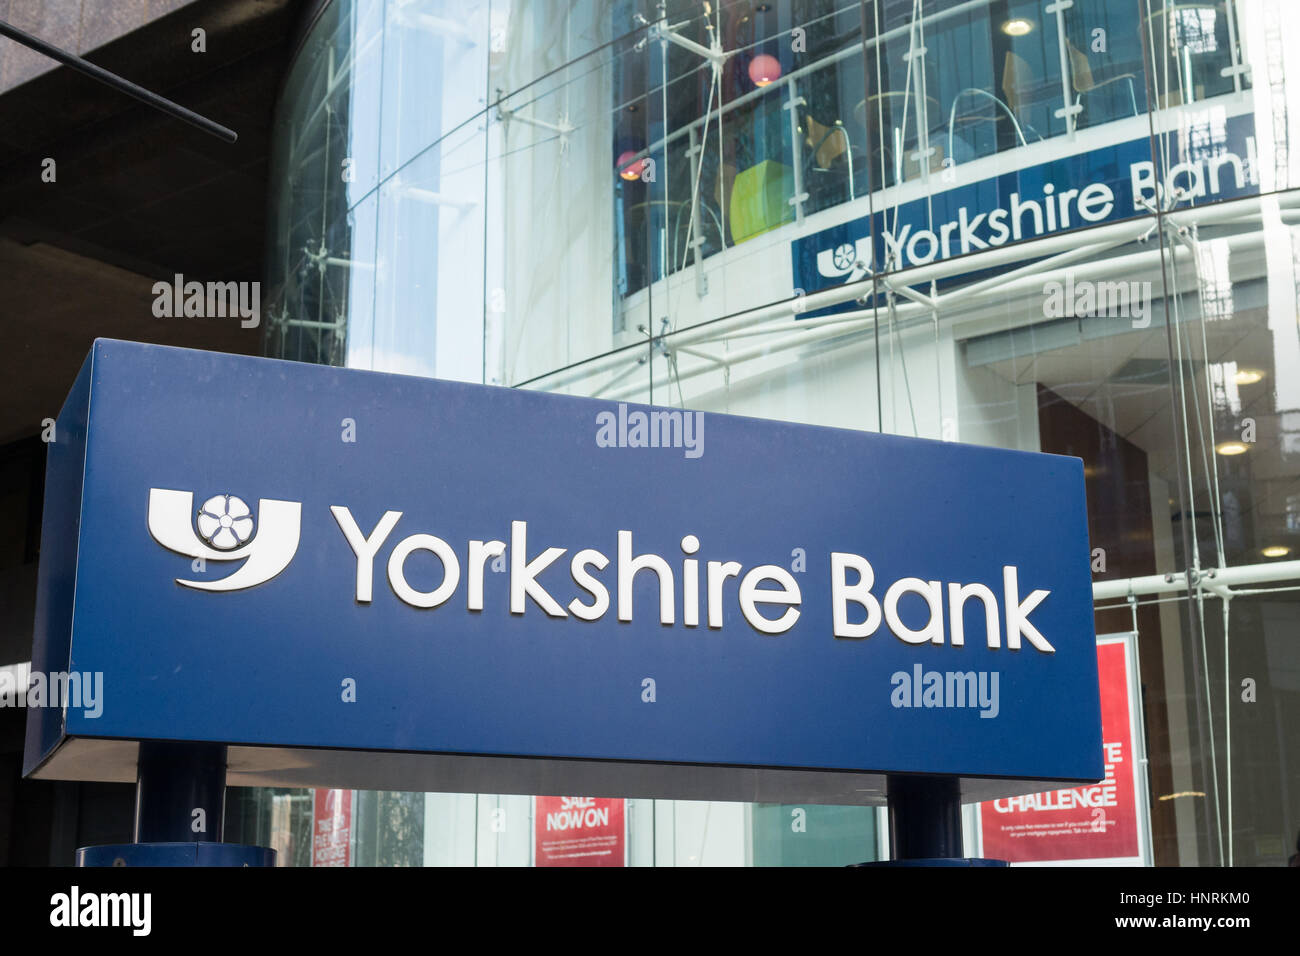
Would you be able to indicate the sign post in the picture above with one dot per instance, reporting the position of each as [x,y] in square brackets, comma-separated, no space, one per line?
[924,818]
[180,805]
[180,792]
[355,580]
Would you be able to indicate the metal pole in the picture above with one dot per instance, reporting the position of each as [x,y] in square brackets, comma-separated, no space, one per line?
[180,804]
[180,794]
[1068,109]
[118,83]
[924,817]
[792,104]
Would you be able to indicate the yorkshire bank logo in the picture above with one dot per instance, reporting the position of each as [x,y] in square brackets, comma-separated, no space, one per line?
[845,259]
[224,529]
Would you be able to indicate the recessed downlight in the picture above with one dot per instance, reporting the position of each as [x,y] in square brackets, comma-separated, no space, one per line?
[1231,448]
[1275,551]
[1017,27]
[1247,376]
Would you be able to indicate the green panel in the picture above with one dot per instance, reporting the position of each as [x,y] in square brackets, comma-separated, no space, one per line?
[760,199]
[807,835]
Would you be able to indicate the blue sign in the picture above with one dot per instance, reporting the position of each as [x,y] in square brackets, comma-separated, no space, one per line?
[380,581]
[1215,160]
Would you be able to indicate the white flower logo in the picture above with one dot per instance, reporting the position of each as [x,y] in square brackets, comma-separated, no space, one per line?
[844,255]
[225,522]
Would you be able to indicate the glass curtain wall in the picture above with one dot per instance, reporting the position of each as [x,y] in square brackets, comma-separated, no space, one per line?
[1061,227]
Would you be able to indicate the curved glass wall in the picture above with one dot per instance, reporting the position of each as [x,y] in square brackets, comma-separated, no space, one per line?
[1067,227]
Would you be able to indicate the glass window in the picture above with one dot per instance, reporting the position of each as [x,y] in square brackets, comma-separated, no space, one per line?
[1071,231]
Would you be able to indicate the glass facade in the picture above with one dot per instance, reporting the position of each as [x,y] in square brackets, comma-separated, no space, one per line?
[1066,227]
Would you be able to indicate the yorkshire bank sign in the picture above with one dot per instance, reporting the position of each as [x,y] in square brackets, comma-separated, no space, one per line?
[366,580]
[275,545]
[1217,160]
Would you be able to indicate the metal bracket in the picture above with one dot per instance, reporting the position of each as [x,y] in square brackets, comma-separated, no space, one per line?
[713,53]
[563,127]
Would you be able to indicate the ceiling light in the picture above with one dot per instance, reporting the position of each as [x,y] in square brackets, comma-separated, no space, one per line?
[1017,27]
[1247,376]
[1276,551]
[1230,448]
[629,167]
[764,69]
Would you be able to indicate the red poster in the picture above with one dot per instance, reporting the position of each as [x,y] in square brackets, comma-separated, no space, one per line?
[331,828]
[1096,823]
[578,831]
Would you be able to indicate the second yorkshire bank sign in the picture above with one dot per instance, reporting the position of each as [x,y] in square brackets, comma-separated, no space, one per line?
[1217,160]
[371,580]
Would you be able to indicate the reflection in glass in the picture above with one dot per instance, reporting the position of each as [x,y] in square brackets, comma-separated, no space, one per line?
[1065,229]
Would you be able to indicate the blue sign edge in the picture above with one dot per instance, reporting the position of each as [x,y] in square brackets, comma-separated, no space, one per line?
[60,549]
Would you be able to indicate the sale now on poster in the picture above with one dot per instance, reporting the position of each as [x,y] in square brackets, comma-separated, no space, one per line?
[578,831]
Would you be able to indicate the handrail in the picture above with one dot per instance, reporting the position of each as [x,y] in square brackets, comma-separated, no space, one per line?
[848,152]
[952,114]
